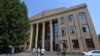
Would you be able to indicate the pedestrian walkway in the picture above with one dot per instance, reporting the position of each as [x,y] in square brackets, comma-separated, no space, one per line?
[46,54]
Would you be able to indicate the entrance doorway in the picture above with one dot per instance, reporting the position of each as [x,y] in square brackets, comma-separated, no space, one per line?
[47,36]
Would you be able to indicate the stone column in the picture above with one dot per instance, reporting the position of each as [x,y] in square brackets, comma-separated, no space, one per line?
[31,35]
[51,36]
[36,38]
[43,34]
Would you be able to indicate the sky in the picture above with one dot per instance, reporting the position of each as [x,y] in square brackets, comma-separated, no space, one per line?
[36,6]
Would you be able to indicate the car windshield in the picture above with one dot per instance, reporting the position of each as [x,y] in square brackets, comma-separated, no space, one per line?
[96,51]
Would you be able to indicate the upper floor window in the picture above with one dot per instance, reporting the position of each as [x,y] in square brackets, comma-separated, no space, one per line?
[63,31]
[71,18]
[85,28]
[62,20]
[82,15]
[72,29]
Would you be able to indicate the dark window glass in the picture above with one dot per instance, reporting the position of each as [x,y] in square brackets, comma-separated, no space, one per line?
[85,28]
[64,43]
[90,44]
[96,52]
[62,20]
[28,43]
[75,44]
[82,15]
[63,30]
[72,29]
[71,18]
[55,36]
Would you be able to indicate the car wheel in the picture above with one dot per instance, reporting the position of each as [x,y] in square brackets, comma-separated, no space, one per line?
[83,54]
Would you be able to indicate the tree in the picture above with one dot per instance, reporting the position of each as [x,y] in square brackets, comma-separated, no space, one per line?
[99,36]
[13,23]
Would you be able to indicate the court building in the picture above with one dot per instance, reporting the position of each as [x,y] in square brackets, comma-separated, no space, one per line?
[70,29]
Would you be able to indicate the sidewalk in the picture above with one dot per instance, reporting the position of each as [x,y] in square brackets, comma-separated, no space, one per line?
[46,54]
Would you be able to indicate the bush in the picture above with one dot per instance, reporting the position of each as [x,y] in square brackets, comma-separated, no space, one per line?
[64,52]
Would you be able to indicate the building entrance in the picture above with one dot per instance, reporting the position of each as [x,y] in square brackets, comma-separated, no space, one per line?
[40,36]
[47,36]
[55,35]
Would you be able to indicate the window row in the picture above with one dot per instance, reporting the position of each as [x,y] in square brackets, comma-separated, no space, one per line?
[71,17]
[75,44]
[85,28]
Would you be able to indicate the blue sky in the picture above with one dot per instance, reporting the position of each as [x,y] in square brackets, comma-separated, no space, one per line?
[36,6]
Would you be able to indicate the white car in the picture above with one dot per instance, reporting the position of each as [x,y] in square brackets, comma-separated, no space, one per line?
[92,53]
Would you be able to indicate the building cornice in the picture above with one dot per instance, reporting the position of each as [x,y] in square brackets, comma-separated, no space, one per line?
[64,10]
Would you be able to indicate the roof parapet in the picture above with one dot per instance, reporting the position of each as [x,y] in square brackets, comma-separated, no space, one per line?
[57,10]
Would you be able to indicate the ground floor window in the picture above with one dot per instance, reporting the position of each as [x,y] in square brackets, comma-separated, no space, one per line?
[28,43]
[64,44]
[75,44]
[89,43]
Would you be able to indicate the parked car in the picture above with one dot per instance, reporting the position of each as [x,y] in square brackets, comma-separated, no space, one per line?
[92,53]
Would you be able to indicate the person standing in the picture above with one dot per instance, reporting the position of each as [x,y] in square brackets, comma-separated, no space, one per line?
[58,51]
[12,50]
[33,51]
[38,51]
[42,52]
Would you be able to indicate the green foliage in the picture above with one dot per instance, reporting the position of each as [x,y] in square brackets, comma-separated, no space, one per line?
[13,22]
[99,36]
[64,52]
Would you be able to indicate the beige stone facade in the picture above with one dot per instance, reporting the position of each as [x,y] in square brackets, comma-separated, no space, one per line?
[70,29]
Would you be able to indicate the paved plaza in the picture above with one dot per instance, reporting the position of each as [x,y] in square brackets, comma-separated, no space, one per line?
[46,54]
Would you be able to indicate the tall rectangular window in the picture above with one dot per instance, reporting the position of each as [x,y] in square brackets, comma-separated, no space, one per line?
[28,43]
[71,18]
[75,44]
[72,29]
[64,43]
[82,15]
[90,44]
[63,31]
[62,20]
[85,28]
